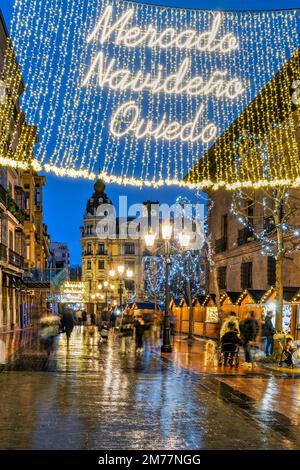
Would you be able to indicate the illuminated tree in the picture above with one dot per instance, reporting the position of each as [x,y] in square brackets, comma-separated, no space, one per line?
[270,218]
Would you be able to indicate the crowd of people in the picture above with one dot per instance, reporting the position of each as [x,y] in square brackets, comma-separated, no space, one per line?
[245,333]
[52,326]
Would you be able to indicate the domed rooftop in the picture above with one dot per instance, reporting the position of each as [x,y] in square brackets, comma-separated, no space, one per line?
[99,187]
[99,197]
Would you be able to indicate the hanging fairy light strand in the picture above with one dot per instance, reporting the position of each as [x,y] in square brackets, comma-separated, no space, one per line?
[140,94]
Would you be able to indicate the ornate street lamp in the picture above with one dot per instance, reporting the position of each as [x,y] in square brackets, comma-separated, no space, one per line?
[167,230]
[185,240]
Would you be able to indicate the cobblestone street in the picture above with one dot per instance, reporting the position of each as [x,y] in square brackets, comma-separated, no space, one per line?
[96,397]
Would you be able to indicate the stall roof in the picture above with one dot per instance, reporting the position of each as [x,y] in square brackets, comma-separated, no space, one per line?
[233,296]
[208,297]
[288,293]
[143,305]
[200,298]
[256,295]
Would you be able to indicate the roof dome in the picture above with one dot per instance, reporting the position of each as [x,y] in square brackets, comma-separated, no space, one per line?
[99,197]
[99,187]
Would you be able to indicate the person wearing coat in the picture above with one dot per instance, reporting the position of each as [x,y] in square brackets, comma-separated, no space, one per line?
[268,333]
[249,331]
[67,323]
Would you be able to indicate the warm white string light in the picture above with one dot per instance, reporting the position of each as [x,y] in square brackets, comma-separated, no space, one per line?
[138,93]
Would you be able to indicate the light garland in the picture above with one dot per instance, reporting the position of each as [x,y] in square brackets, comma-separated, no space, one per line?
[136,93]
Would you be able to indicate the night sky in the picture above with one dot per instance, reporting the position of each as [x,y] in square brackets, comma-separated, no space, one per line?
[65,199]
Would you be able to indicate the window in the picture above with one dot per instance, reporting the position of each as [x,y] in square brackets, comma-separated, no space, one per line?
[222,277]
[250,211]
[89,265]
[129,249]
[246,275]
[271,271]
[101,264]
[89,249]
[101,249]
[38,198]
[225,227]
[11,240]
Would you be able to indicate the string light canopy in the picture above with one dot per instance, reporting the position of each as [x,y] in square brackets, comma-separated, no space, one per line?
[138,94]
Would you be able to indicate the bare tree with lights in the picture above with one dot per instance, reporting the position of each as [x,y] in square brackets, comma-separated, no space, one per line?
[269,216]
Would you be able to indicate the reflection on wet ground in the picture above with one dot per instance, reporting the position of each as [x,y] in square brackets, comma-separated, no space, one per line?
[96,397]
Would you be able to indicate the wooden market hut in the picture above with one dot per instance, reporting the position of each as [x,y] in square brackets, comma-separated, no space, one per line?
[295,323]
[229,304]
[185,315]
[268,301]
[150,312]
[211,323]
[248,301]
[199,315]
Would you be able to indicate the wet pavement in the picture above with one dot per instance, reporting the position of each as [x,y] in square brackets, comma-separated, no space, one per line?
[96,397]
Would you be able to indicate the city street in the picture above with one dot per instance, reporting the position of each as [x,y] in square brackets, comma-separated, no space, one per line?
[96,397]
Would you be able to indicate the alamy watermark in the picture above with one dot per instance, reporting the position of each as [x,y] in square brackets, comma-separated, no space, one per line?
[137,220]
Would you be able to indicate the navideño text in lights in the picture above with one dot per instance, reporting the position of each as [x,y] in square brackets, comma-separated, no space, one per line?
[134,36]
[126,120]
[179,83]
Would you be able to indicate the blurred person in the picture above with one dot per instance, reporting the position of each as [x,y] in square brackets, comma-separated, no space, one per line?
[268,332]
[84,317]
[67,323]
[139,325]
[93,318]
[249,329]
[232,318]
[48,332]
[230,342]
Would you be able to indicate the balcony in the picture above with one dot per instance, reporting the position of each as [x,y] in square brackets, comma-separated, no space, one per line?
[245,235]
[3,252]
[15,210]
[15,259]
[220,245]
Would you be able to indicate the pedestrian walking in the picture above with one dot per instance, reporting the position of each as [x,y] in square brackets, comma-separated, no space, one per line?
[268,332]
[84,317]
[126,337]
[139,325]
[93,319]
[67,323]
[49,331]
[249,329]
[78,317]
[112,320]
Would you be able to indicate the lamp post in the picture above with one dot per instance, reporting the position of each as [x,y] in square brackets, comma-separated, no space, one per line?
[184,241]
[149,240]
[121,271]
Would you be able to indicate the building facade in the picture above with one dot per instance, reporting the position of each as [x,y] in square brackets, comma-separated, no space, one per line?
[23,236]
[238,254]
[36,232]
[104,251]
[13,130]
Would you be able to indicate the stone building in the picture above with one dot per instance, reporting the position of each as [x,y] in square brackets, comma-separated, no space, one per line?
[12,200]
[104,251]
[36,232]
[23,236]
